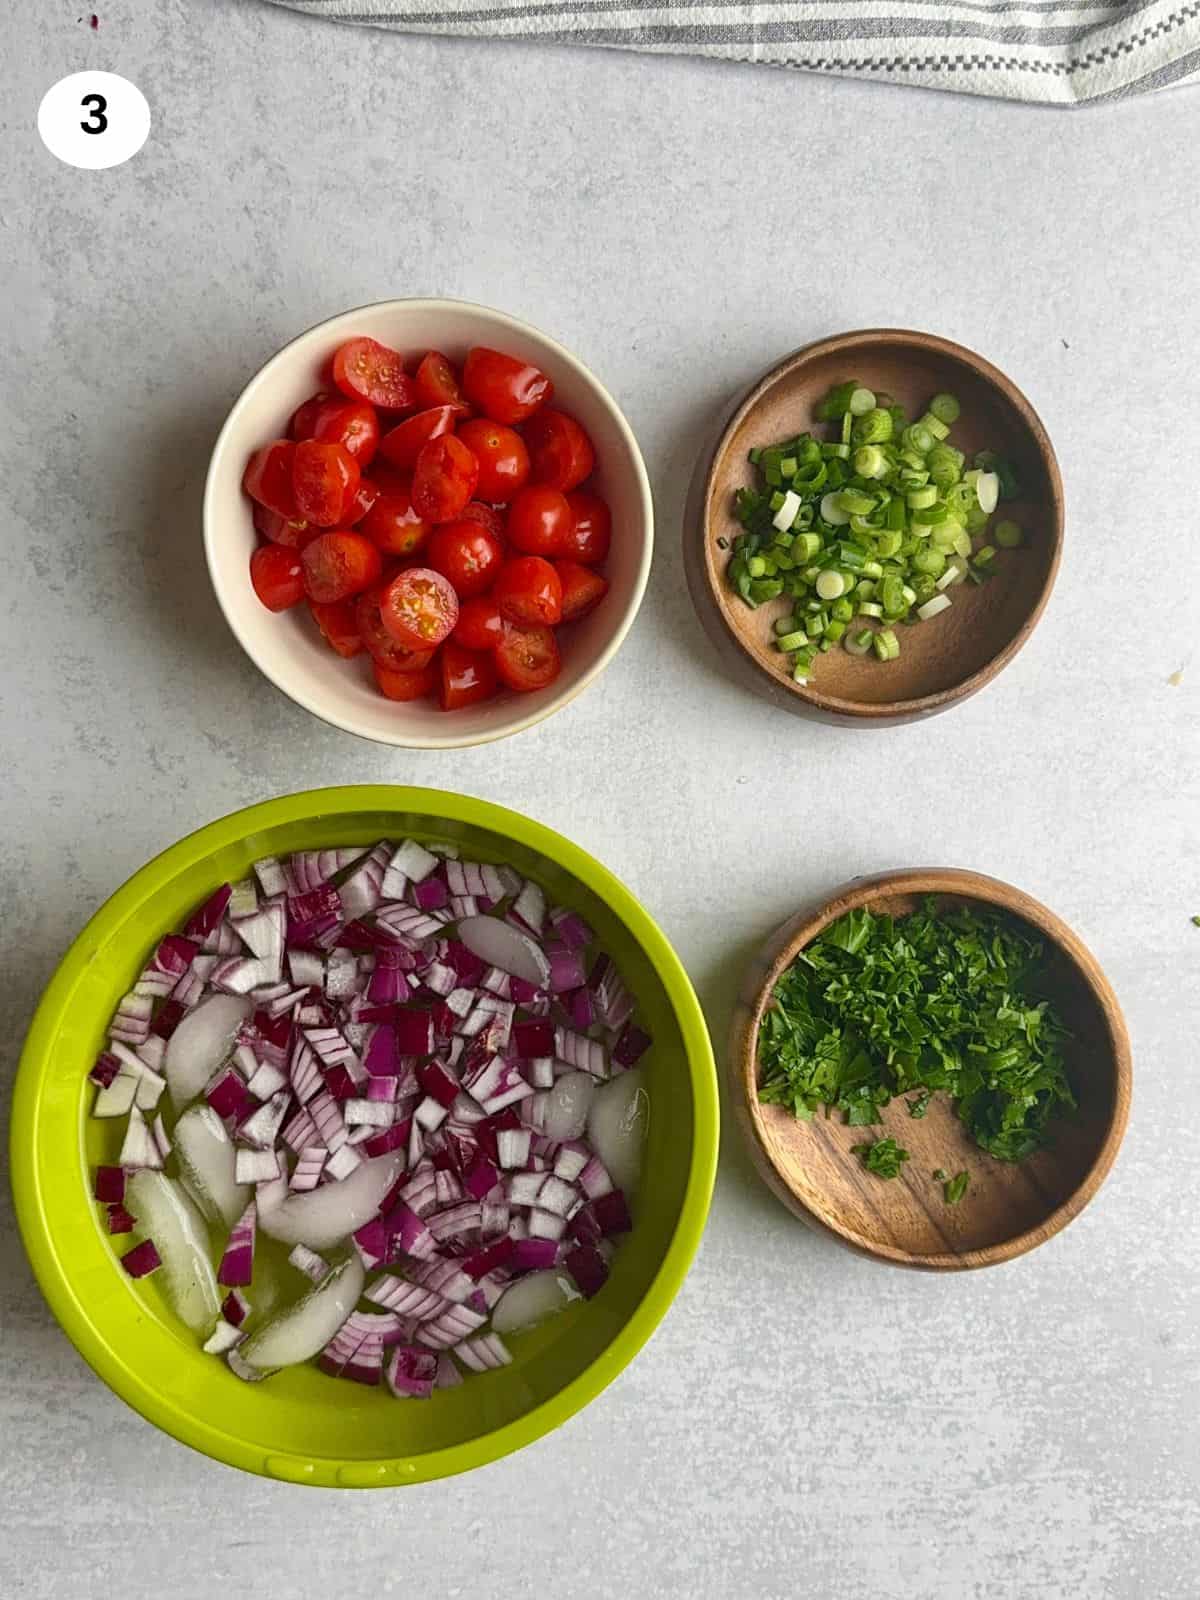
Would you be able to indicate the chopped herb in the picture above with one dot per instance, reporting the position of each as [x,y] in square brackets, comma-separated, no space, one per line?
[1196,921]
[918,1106]
[939,1175]
[884,1157]
[878,1006]
[954,1190]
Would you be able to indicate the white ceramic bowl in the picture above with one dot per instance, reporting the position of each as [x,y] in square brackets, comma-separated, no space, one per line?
[287,648]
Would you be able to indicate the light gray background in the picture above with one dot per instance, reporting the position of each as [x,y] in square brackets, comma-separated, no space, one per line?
[804,1423]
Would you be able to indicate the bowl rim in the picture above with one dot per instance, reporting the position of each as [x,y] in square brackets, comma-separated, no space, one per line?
[867,712]
[430,305]
[47,1255]
[780,950]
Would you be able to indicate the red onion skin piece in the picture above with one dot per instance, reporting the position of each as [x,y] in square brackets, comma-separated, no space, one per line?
[205,918]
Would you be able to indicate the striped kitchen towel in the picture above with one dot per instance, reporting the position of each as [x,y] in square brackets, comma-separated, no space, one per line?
[1061,52]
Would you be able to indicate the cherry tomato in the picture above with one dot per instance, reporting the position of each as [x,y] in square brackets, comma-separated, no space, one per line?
[466,676]
[560,452]
[527,658]
[528,592]
[443,479]
[365,497]
[393,525]
[339,625]
[502,457]
[282,530]
[539,521]
[582,589]
[503,388]
[378,641]
[591,529]
[276,576]
[437,382]
[324,478]
[355,426]
[404,685]
[476,511]
[304,419]
[467,554]
[268,478]
[480,625]
[403,444]
[364,369]
[338,565]
[419,608]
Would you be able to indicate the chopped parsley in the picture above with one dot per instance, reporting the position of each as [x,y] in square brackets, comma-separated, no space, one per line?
[954,1189]
[939,1175]
[884,1157]
[878,1006]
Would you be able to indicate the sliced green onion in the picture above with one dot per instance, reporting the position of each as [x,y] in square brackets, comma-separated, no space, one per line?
[953,574]
[945,408]
[886,645]
[1008,535]
[786,514]
[987,491]
[793,641]
[935,425]
[860,402]
[870,461]
[832,512]
[932,607]
[858,643]
[868,608]
[830,584]
[874,427]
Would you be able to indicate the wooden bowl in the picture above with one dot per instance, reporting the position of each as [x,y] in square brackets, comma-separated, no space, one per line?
[1008,1209]
[964,648]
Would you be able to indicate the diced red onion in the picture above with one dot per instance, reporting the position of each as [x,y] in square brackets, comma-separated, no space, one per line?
[237,1264]
[483,1353]
[588,1267]
[119,1220]
[142,1259]
[411,1372]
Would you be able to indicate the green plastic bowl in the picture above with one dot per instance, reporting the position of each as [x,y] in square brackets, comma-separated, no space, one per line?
[301,1426]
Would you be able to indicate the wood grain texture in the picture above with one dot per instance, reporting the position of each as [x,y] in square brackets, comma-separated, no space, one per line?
[965,647]
[1008,1209]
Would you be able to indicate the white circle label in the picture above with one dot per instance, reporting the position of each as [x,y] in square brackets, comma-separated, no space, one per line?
[94,119]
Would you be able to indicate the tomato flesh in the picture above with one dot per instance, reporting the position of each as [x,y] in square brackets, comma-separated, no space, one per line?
[465,676]
[437,382]
[582,589]
[403,444]
[378,642]
[503,388]
[393,525]
[480,625]
[444,479]
[365,497]
[338,625]
[528,592]
[268,478]
[539,521]
[419,608]
[590,533]
[364,369]
[338,565]
[276,575]
[404,685]
[467,554]
[560,452]
[527,658]
[325,479]
[283,530]
[502,457]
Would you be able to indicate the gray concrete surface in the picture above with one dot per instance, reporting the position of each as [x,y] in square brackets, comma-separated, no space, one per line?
[804,1423]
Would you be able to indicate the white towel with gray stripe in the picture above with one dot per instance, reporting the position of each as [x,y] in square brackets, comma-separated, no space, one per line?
[1059,52]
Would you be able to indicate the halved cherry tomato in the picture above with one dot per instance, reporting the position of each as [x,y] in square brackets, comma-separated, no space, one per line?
[339,625]
[404,685]
[539,521]
[503,388]
[276,576]
[480,625]
[378,641]
[419,608]
[365,497]
[283,530]
[467,554]
[268,478]
[354,425]
[502,457]
[466,676]
[403,444]
[443,479]
[591,529]
[338,565]
[528,592]
[437,382]
[582,589]
[476,511]
[324,477]
[392,523]
[364,369]
[527,658]
[304,418]
[560,452]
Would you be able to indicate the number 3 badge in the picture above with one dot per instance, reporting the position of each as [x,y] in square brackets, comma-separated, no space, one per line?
[94,119]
